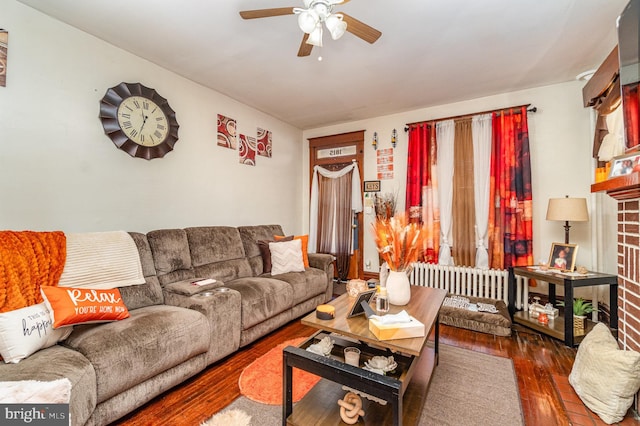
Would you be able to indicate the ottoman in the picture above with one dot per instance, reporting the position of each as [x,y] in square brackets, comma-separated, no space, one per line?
[498,323]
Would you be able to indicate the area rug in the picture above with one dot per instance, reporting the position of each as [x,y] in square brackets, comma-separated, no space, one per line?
[467,389]
[261,381]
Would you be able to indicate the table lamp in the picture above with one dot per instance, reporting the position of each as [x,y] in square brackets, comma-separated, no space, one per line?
[568,210]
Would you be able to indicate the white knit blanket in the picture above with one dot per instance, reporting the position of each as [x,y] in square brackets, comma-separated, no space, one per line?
[101,260]
[35,392]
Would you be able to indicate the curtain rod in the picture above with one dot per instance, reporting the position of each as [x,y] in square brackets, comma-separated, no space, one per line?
[499,110]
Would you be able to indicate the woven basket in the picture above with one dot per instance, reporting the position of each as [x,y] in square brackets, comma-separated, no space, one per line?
[579,323]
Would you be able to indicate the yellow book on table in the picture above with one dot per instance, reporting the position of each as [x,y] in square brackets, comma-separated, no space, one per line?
[402,330]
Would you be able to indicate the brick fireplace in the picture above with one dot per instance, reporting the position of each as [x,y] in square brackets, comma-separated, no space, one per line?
[628,269]
[626,190]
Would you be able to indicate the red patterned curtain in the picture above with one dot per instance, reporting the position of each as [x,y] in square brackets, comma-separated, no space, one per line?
[421,202]
[417,169]
[510,218]
[630,100]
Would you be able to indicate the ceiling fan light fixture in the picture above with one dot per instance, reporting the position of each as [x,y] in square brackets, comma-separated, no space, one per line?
[308,20]
[336,26]
[315,37]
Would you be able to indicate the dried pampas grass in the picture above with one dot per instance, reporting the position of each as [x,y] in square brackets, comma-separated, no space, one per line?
[399,242]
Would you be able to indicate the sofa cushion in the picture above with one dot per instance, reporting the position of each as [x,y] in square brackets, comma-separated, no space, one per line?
[252,234]
[305,285]
[210,244]
[605,377]
[286,257]
[171,255]
[152,340]
[55,363]
[149,293]
[304,240]
[261,298]
[25,331]
[70,306]
[139,296]
[265,252]
[225,271]
[144,251]
[217,252]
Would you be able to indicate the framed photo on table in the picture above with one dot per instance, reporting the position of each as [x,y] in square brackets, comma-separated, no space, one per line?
[356,308]
[563,256]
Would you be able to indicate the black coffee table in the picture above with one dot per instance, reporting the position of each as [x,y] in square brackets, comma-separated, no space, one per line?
[404,390]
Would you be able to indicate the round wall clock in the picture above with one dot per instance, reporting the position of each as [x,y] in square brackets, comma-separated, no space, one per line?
[138,120]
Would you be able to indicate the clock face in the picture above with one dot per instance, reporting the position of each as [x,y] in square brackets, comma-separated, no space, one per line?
[138,120]
[143,121]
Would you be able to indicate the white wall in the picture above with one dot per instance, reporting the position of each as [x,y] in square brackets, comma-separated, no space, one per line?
[560,138]
[58,170]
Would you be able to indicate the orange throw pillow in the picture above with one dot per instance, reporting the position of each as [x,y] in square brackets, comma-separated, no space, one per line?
[304,239]
[70,306]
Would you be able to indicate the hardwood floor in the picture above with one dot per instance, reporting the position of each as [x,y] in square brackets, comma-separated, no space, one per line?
[536,358]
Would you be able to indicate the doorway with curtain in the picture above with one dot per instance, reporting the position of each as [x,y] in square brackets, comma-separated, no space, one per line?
[336,222]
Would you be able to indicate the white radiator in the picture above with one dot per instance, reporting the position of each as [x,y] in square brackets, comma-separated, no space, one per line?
[466,281]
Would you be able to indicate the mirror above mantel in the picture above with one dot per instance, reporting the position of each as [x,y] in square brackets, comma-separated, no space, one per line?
[629,54]
[616,82]
[602,93]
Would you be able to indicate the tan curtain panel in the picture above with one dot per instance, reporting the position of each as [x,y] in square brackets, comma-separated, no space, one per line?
[335,219]
[464,212]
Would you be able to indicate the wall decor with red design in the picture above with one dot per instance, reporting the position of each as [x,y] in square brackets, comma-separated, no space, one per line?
[227,132]
[264,142]
[4,45]
[247,150]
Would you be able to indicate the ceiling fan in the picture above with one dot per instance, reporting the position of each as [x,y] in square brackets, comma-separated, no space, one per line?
[311,18]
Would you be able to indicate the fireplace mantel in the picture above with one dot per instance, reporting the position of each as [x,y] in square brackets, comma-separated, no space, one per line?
[621,187]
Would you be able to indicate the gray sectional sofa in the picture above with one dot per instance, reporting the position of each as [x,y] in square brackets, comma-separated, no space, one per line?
[177,329]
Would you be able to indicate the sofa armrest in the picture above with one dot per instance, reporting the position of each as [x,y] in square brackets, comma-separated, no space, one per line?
[321,261]
[324,262]
[222,309]
[188,288]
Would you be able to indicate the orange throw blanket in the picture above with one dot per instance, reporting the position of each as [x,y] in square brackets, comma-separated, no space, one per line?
[29,260]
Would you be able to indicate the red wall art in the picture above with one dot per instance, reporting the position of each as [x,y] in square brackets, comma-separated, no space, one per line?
[247,150]
[227,132]
[264,142]
[4,44]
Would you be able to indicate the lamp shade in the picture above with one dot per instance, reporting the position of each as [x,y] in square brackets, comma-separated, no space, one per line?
[568,209]
[315,37]
[308,20]
[336,26]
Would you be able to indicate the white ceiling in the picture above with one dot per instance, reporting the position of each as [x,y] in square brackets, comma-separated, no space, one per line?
[431,52]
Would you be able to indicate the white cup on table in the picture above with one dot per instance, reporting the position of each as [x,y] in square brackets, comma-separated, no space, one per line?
[352,356]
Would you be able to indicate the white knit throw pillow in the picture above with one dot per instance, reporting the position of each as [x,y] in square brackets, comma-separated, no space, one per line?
[605,377]
[286,257]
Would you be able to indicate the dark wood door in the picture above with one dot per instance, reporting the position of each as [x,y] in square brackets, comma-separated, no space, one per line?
[334,153]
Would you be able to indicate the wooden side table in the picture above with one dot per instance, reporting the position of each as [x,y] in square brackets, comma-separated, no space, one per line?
[562,327]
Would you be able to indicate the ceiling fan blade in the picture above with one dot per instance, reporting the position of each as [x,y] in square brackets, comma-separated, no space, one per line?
[266,13]
[305,48]
[360,29]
